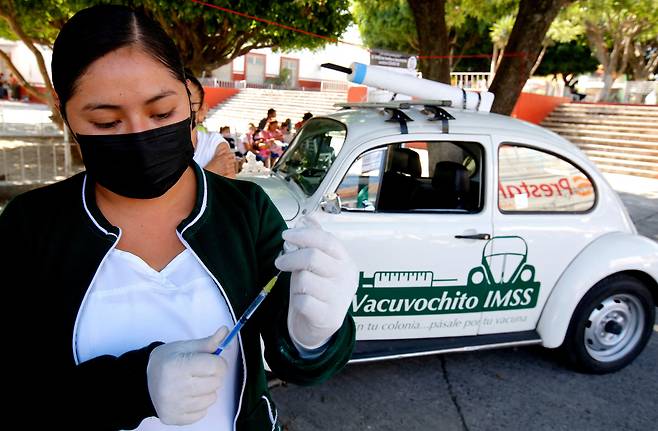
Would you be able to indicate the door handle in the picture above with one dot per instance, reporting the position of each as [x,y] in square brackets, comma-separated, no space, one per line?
[484,236]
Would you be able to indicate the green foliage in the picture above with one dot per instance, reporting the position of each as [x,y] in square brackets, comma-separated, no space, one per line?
[283,80]
[328,18]
[39,19]
[624,36]
[386,24]
[613,16]
[389,24]
[567,26]
[570,58]
[501,30]
[206,37]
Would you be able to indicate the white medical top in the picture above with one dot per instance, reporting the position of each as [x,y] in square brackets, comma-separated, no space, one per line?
[131,305]
[206,146]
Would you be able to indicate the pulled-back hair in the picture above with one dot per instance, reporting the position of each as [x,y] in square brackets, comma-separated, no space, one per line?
[194,81]
[96,31]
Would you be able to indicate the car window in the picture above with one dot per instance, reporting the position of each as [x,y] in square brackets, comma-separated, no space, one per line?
[531,180]
[312,153]
[360,186]
[416,176]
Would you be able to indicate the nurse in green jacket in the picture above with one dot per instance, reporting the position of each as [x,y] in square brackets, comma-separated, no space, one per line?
[121,281]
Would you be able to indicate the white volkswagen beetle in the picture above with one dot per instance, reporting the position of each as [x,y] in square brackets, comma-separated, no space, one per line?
[471,230]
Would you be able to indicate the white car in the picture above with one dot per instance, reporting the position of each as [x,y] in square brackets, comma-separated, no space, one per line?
[471,230]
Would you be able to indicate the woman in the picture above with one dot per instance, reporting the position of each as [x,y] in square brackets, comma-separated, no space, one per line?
[122,280]
[270,146]
[247,141]
[211,151]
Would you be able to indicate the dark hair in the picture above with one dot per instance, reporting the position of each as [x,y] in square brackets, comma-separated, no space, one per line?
[96,31]
[224,128]
[307,116]
[271,111]
[189,75]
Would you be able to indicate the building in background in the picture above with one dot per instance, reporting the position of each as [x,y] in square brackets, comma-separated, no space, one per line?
[264,67]
[24,60]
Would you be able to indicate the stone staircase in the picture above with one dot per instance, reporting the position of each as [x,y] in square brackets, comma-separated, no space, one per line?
[250,105]
[620,139]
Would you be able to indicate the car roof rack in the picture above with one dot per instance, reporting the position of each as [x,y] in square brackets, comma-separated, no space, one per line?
[395,104]
[433,108]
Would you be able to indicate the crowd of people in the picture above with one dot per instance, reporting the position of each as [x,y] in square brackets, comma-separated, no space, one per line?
[224,152]
[9,87]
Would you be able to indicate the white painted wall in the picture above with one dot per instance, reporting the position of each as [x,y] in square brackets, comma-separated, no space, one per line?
[310,61]
[24,60]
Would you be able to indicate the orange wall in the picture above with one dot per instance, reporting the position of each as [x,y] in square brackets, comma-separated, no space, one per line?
[215,96]
[535,107]
[357,94]
[307,83]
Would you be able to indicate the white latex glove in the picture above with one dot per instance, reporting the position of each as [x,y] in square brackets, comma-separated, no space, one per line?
[183,378]
[323,282]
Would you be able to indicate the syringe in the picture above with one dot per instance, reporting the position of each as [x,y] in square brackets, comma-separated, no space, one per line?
[247,314]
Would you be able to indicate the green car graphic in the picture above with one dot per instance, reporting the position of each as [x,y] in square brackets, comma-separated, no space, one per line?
[503,281]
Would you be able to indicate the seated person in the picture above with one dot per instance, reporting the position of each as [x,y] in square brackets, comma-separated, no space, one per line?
[226,134]
[211,151]
[270,146]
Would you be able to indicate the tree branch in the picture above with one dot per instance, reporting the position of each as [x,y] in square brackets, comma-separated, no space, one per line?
[10,18]
[28,87]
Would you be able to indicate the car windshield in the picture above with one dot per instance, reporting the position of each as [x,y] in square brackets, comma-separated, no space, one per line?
[312,153]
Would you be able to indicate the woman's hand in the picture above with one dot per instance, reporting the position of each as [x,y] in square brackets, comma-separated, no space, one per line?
[183,378]
[323,282]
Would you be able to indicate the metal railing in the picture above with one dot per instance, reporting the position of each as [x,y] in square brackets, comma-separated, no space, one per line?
[478,81]
[325,85]
[34,162]
[336,86]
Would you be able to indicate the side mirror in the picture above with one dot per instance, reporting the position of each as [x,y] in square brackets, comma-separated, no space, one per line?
[331,203]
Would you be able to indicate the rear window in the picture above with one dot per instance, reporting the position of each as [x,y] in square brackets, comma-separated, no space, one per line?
[531,180]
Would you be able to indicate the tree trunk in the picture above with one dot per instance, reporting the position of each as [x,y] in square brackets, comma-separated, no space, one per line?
[539,59]
[432,38]
[608,80]
[522,50]
[7,13]
[642,64]
[17,73]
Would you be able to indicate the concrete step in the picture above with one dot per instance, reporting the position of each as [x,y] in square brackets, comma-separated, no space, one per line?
[255,117]
[278,106]
[624,150]
[638,164]
[628,171]
[600,108]
[627,112]
[626,120]
[617,155]
[648,130]
[651,136]
[610,141]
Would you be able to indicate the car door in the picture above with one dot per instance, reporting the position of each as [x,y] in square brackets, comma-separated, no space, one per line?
[545,214]
[415,216]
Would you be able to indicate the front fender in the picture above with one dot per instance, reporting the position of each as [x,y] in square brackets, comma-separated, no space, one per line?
[609,254]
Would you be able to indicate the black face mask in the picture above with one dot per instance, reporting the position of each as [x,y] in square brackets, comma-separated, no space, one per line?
[141,165]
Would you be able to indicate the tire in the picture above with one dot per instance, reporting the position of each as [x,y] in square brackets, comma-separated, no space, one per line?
[610,326]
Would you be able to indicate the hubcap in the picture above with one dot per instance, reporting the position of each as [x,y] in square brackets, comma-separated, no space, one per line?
[614,327]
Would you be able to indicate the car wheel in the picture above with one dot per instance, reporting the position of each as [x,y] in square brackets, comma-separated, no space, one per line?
[610,326]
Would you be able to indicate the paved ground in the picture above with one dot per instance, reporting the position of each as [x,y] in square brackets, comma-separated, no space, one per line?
[512,389]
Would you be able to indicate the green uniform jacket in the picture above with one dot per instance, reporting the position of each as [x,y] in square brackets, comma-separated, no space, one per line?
[53,241]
